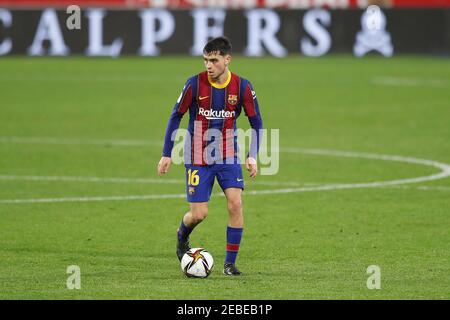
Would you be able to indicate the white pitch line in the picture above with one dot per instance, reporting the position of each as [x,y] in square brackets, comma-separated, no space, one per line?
[430,188]
[130,180]
[445,168]
[182,195]
[69,141]
[94,199]
[444,173]
[89,179]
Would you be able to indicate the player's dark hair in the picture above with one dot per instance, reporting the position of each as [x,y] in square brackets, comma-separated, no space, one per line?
[220,44]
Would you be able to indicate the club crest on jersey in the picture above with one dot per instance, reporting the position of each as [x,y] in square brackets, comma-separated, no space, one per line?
[232,99]
[191,190]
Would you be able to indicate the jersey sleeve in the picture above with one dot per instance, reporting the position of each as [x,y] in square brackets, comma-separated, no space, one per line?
[181,107]
[251,109]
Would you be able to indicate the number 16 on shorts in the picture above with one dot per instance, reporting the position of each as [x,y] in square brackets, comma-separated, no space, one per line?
[193,178]
[199,183]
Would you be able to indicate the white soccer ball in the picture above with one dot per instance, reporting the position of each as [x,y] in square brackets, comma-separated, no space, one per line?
[197,263]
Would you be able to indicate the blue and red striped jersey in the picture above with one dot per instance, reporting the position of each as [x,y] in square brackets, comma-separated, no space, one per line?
[213,111]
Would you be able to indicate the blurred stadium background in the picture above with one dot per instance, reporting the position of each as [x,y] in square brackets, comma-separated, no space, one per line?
[257,27]
[361,96]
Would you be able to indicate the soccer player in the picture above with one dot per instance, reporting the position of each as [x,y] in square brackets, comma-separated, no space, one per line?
[214,99]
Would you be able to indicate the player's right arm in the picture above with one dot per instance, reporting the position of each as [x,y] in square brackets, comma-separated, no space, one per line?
[183,103]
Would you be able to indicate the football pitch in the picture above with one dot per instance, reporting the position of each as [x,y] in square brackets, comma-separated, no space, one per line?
[363,180]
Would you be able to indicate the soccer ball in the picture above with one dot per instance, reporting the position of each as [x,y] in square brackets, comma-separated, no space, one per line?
[197,263]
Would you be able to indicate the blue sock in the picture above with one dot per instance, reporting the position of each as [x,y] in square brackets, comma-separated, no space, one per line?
[234,236]
[184,232]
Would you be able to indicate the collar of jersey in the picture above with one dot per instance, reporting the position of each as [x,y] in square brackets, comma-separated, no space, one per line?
[221,86]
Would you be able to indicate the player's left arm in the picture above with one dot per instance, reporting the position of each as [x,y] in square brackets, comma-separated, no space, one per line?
[251,109]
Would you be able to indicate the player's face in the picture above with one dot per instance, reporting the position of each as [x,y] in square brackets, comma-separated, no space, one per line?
[216,64]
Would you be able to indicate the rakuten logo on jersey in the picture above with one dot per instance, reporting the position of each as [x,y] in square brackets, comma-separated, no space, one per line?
[216,114]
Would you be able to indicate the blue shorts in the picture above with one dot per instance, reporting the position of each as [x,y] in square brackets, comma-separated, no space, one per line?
[200,180]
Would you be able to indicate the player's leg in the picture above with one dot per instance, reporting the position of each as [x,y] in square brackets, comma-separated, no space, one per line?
[234,206]
[235,229]
[199,183]
[231,181]
[197,213]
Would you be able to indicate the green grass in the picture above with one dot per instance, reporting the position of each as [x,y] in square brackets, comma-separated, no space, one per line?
[303,245]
